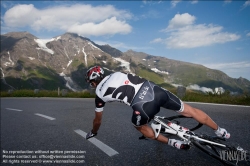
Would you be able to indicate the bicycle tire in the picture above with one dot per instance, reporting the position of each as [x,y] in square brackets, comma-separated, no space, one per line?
[216,152]
[184,121]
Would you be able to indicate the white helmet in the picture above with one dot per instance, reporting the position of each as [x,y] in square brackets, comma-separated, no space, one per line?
[95,74]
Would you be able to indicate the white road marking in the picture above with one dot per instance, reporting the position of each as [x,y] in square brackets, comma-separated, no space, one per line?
[45,116]
[105,148]
[13,109]
[229,105]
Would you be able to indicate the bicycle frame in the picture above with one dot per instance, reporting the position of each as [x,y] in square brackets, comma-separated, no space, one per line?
[209,145]
[185,135]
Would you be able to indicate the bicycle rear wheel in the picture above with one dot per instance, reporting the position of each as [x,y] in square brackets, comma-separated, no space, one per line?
[228,155]
[184,121]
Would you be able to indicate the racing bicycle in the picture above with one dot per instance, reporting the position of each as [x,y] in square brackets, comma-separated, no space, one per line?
[214,146]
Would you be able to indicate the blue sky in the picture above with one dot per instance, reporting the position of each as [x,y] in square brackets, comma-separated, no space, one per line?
[215,34]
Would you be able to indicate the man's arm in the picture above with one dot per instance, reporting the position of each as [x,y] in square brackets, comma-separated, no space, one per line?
[97,122]
[96,125]
[99,103]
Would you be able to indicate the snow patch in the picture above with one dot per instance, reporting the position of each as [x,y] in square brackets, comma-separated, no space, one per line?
[59,37]
[217,90]
[197,87]
[176,85]
[92,45]
[106,68]
[69,63]
[77,49]
[4,81]
[6,63]
[12,63]
[66,53]
[159,71]
[42,45]
[2,73]
[31,58]
[69,82]
[104,62]
[124,64]
[85,57]
[62,74]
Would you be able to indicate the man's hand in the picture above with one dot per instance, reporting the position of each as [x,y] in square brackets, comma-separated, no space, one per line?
[90,135]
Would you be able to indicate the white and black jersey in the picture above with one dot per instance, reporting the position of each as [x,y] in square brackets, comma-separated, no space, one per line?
[143,96]
[117,87]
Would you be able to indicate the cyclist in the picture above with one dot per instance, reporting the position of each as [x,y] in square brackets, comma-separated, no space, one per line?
[145,98]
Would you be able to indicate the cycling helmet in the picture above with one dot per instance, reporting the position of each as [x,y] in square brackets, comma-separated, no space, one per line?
[95,74]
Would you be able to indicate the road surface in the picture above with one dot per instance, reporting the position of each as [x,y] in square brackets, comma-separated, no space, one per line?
[43,130]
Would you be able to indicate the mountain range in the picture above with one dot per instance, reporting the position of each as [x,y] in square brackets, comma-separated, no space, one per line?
[28,62]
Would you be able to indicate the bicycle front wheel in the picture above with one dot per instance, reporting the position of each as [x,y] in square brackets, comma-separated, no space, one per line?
[227,155]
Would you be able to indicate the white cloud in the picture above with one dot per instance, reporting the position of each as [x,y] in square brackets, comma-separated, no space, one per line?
[198,36]
[150,2]
[234,69]
[233,65]
[194,1]
[180,20]
[227,1]
[107,27]
[175,2]
[218,90]
[20,15]
[150,14]
[122,46]
[248,34]
[197,87]
[69,18]
[158,40]
[246,4]
[183,33]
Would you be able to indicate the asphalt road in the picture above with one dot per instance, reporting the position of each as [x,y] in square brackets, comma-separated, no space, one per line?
[50,124]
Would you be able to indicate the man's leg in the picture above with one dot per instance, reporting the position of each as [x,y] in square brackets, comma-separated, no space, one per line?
[149,133]
[203,118]
[188,111]
[199,115]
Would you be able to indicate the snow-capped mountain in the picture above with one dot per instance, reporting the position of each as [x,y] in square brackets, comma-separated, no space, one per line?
[31,63]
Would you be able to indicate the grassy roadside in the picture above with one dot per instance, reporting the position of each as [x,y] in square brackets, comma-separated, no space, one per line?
[190,96]
[45,93]
[219,99]
[225,98]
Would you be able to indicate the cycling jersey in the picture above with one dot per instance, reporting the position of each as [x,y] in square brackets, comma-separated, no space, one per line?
[117,87]
[143,96]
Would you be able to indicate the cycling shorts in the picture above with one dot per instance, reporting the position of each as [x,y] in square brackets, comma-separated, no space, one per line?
[147,102]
